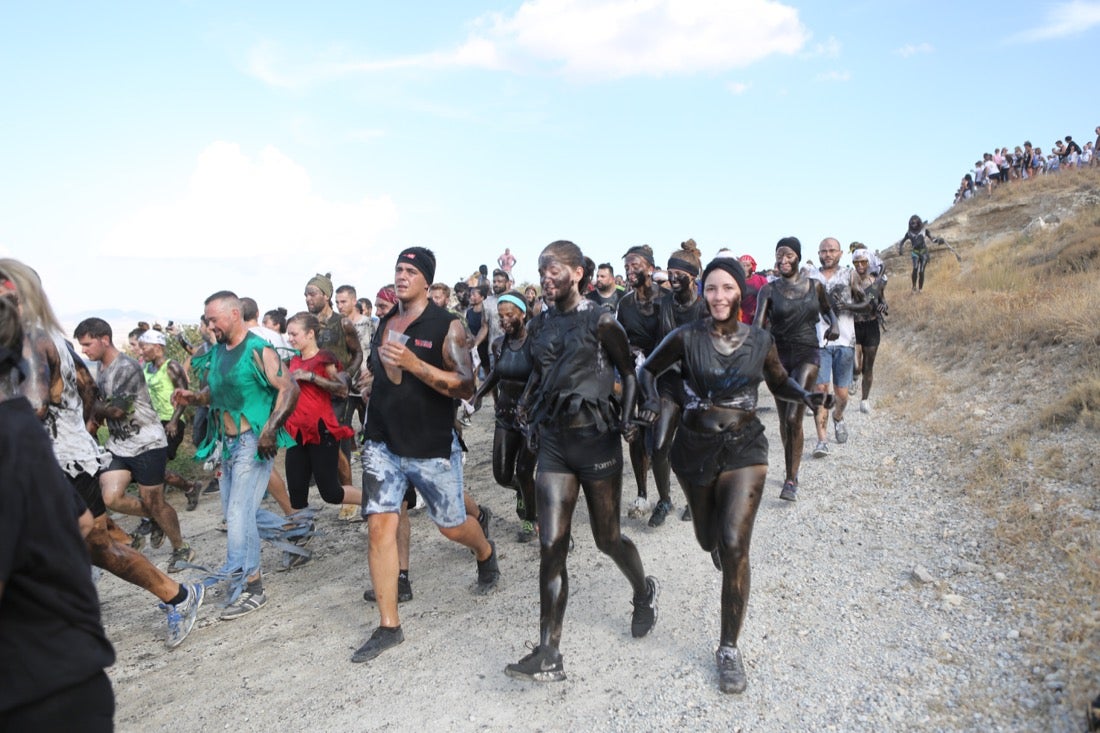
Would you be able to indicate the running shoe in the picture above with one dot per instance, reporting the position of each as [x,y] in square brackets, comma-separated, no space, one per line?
[293,560]
[382,639]
[137,537]
[213,487]
[543,664]
[404,591]
[526,532]
[483,517]
[645,609]
[841,431]
[156,535]
[246,603]
[731,670]
[685,516]
[821,449]
[660,513]
[192,492]
[223,526]
[182,616]
[180,557]
[488,572]
[789,492]
[865,407]
[639,509]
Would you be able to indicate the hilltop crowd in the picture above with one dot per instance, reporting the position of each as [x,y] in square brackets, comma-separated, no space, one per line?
[668,359]
[1026,161]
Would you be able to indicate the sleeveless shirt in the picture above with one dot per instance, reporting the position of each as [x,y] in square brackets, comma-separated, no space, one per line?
[160,389]
[239,388]
[515,364]
[76,450]
[793,320]
[411,418]
[642,331]
[331,338]
[727,380]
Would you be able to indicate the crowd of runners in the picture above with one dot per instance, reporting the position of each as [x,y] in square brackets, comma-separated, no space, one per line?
[668,357]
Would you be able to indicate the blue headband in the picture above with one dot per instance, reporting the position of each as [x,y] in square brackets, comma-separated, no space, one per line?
[517,302]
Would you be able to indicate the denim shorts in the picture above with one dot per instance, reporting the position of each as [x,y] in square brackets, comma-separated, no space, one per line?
[836,365]
[386,478]
[146,469]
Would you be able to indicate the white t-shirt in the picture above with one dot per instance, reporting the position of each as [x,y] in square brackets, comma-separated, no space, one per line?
[839,289]
[122,384]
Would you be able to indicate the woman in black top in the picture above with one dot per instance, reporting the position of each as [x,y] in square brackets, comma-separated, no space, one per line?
[720,454]
[790,307]
[569,403]
[513,460]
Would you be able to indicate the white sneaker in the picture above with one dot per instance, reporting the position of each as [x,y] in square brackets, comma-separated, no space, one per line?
[865,407]
[639,509]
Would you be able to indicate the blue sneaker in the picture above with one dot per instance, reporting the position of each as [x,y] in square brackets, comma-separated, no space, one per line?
[182,616]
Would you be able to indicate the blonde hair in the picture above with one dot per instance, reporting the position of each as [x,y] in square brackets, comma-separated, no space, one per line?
[36,308]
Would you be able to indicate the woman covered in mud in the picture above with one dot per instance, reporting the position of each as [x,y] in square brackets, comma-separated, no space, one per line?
[720,454]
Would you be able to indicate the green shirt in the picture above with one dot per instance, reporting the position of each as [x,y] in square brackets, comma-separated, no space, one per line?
[238,387]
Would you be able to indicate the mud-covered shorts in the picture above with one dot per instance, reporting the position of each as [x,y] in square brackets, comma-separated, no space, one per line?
[698,458]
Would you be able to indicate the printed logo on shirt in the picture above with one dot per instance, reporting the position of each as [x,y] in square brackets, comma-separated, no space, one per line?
[422,343]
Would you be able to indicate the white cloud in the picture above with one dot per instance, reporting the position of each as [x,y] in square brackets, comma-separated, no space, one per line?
[591,39]
[1062,20]
[738,87]
[834,76]
[830,49]
[236,206]
[911,49]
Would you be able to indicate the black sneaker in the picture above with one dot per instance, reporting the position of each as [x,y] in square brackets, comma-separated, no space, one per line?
[541,665]
[483,519]
[156,535]
[192,492]
[382,639]
[731,670]
[404,591]
[488,572]
[645,610]
[660,513]
[213,487]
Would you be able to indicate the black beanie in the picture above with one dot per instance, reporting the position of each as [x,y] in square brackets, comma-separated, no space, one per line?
[730,265]
[791,243]
[420,258]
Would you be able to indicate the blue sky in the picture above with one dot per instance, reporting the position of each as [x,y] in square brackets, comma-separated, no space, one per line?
[156,152]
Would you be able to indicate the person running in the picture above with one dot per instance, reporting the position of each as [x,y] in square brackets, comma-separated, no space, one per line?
[867,324]
[55,649]
[313,424]
[790,307]
[606,293]
[918,236]
[837,355]
[420,361]
[720,454]
[513,460]
[250,396]
[162,375]
[337,335]
[62,392]
[679,306]
[754,283]
[135,438]
[570,406]
[347,306]
[477,319]
[638,315]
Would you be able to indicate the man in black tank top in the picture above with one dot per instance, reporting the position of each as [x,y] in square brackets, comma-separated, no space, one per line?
[420,362]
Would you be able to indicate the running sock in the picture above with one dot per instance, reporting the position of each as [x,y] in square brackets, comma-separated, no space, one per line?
[179,597]
[403,574]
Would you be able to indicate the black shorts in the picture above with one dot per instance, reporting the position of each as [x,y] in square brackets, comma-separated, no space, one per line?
[87,487]
[868,333]
[146,469]
[698,458]
[795,355]
[584,452]
[173,443]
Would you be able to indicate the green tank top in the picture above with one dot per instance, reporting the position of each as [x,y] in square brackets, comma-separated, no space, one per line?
[238,387]
[160,390]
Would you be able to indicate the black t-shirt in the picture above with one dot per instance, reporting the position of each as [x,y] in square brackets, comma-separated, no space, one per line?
[50,634]
[611,302]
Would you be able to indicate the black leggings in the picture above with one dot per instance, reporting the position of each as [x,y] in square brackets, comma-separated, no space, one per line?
[513,461]
[920,261]
[557,495]
[319,461]
[723,514]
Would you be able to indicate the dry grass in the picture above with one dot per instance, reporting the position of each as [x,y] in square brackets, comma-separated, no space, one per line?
[1015,330]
